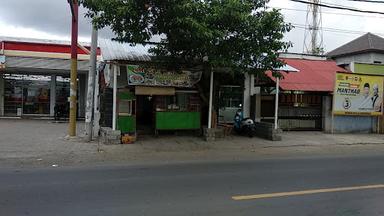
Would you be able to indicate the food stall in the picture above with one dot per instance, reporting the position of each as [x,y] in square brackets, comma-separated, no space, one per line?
[157,100]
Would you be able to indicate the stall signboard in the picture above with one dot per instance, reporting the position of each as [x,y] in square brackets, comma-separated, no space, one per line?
[144,76]
[2,62]
[356,94]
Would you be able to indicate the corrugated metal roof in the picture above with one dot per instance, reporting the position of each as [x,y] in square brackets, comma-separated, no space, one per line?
[313,75]
[113,50]
[44,63]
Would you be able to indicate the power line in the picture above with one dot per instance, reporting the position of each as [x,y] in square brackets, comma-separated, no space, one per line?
[334,13]
[369,1]
[338,7]
[328,29]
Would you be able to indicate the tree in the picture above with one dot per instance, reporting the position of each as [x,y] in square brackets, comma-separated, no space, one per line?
[240,35]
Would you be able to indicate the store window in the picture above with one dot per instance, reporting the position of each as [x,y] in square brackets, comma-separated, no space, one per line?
[26,94]
[181,101]
[62,94]
[230,96]
[13,94]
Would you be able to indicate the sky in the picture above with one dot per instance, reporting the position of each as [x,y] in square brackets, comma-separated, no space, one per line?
[50,19]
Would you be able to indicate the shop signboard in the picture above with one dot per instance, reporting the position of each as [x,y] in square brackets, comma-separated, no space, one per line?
[144,76]
[2,62]
[356,94]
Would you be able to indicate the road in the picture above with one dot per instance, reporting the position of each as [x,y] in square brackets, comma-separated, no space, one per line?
[206,188]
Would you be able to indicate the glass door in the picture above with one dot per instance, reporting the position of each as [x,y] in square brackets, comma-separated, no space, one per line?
[13,94]
[36,95]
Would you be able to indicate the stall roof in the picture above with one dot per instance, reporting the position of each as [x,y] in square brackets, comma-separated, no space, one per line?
[313,75]
[113,50]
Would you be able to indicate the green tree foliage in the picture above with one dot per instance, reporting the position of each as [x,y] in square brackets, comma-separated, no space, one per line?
[242,35]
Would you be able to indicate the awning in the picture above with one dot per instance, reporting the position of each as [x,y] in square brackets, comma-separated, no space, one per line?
[146,90]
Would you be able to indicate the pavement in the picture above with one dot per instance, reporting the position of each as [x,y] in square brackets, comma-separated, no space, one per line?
[43,143]
[312,186]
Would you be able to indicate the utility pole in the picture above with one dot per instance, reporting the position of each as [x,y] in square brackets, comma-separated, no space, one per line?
[313,33]
[73,83]
[91,87]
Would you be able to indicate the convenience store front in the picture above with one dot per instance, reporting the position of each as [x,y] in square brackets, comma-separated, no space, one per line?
[31,94]
[34,77]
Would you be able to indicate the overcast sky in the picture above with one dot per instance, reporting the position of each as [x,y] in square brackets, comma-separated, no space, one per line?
[50,19]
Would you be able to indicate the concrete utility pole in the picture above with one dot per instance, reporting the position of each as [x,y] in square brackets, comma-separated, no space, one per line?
[210,101]
[116,69]
[73,88]
[277,103]
[91,87]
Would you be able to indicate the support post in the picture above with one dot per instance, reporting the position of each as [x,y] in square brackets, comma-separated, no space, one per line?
[210,101]
[247,96]
[114,116]
[277,102]
[52,96]
[96,106]
[91,87]
[73,83]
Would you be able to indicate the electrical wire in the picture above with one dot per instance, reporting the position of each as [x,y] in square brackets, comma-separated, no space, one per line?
[335,30]
[338,7]
[334,13]
[368,1]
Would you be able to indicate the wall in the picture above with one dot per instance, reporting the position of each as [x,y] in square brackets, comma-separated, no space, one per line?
[346,60]
[327,114]
[372,69]
[346,124]
[368,58]
[354,124]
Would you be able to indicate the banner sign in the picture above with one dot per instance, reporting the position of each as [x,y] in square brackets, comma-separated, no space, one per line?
[2,62]
[358,94]
[154,77]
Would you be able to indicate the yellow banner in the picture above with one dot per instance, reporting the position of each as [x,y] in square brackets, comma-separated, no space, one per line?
[358,95]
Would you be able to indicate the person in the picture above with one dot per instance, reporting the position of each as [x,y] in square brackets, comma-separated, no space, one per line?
[376,99]
[237,119]
[365,102]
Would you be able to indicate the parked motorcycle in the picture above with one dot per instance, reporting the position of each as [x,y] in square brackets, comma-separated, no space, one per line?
[244,126]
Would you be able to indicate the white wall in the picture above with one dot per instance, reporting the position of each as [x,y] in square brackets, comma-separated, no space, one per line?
[360,58]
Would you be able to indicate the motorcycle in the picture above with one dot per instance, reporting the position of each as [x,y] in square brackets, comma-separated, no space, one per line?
[244,126]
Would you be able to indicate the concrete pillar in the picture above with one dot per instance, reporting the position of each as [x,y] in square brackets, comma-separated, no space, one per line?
[82,94]
[258,104]
[246,96]
[52,100]
[327,113]
[1,95]
[96,105]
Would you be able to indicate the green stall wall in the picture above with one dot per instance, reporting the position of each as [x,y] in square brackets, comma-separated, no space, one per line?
[177,120]
[126,124]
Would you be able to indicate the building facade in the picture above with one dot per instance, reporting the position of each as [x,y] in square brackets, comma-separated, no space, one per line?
[145,97]
[364,55]
[34,77]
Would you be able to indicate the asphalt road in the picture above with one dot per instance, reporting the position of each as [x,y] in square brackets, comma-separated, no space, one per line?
[197,189]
